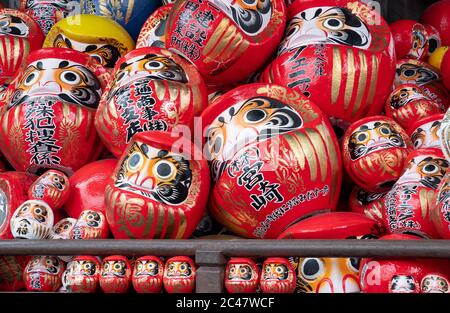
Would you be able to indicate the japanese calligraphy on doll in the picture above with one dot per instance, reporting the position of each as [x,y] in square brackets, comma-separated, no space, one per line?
[310,195]
[40,132]
[191,30]
[136,106]
[401,213]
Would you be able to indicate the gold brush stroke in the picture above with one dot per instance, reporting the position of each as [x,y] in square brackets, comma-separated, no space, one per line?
[216,36]
[219,49]
[5,121]
[349,86]
[298,152]
[16,52]
[8,50]
[160,222]
[170,223]
[320,149]
[185,95]
[182,223]
[3,52]
[149,220]
[174,90]
[235,44]
[333,157]
[336,77]
[197,99]
[310,154]
[79,117]
[361,83]
[373,80]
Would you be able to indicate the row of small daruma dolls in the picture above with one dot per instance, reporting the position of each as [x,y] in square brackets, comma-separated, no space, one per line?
[150,274]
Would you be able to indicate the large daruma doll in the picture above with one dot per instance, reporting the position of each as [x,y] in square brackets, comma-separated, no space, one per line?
[227,40]
[152,89]
[340,53]
[274,159]
[50,109]
[159,188]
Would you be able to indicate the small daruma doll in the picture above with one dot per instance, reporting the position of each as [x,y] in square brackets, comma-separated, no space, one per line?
[32,220]
[226,40]
[179,275]
[84,274]
[91,224]
[408,103]
[115,275]
[152,89]
[339,53]
[159,188]
[153,32]
[274,159]
[52,187]
[49,119]
[409,204]
[241,276]
[63,228]
[148,274]
[374,152]
[277,276]
[43,273]
[19,35]
[426,132]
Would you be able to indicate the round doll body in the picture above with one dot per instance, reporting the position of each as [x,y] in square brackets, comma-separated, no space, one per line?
[274,159]
[52,187]
[43,273]
[153,32]
[335,54]
[247,33]
[148,274]
[152,90]
[179,275]
[241,276]
[425,132]
[33,219]
[63,228]
[11,272]
[82,274]
[277,276]
[91,224]
[374,152]
[115,275]
[438,15]
[159,188]
[368,203]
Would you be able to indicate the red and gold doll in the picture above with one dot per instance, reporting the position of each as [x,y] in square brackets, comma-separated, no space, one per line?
[440,211]
[159,188]
[339,53]
[374,152]
[153,32]
[43,273]
[414,40]
[277,276]
[274,159]
[148,274]
[408,205]
[50,109]
[115,275]
[63,228]
[368,203]
[409,103]
[425,132]
[241,276]
[33,219]
[226,40]
[82,274]
[19,35]
[179,275]
[438,15]
[52,187]
[91,224]
[152,90]
[13,192]
[11,272]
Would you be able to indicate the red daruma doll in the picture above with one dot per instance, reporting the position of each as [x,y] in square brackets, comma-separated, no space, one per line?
[179,275]
[83,275]
[374,152]
[115,275]
[241,276]
[50,109]
[277,276]
[52,187]
[148,274]
[273,157]
[43,273]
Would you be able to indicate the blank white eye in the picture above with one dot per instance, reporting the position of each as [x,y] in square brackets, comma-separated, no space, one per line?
[153,65]
[333,23]
[135,161]
[32,78]
[255,116]
[70,77]
[163,169]
[312,268]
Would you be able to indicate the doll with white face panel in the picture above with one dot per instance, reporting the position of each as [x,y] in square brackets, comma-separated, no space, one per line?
[91,224]
[425,133]
[241,276]
[82,274]
[277,276]
[52,187]
[63,228]
[434,283]
[179,275]
[32,220]
[115,275]
[148,274]
[43,273]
